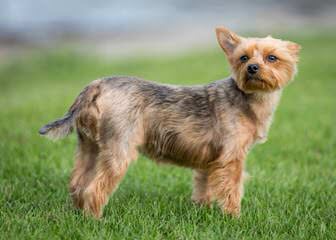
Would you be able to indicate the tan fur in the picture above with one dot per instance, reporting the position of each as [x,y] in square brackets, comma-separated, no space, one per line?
[207,128]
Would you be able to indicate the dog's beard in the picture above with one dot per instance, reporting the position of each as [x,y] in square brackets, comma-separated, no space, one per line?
[253,78]
[257,83]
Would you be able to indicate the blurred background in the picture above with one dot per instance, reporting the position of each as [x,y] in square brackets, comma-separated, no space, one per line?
[125,27]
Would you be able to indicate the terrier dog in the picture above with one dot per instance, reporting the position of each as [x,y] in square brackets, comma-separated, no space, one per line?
[208,128]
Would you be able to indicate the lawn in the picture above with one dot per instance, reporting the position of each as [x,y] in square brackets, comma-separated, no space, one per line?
[290,195]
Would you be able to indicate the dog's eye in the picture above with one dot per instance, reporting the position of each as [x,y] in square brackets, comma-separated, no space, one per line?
[244,58]
[271,58]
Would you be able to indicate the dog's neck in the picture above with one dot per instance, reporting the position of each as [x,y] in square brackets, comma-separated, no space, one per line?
[263,105]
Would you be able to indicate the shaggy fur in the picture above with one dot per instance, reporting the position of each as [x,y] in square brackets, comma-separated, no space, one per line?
[208,128]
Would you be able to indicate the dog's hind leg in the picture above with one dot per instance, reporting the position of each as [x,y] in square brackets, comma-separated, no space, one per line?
[110,167]
[85,160]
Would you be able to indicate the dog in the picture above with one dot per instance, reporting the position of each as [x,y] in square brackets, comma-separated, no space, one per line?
[208,128]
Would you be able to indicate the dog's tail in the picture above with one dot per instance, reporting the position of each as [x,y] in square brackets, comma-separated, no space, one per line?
[62,127]
[59,128]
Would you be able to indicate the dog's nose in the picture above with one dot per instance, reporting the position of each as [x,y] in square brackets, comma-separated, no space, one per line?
[252,68]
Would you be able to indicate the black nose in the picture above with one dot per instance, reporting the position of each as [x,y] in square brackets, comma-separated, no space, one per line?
[253,68]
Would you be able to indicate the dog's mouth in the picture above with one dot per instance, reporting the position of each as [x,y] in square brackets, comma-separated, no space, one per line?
[257,83]
[254,78]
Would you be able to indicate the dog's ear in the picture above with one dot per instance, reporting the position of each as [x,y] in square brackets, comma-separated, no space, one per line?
[227,39]
[294,50]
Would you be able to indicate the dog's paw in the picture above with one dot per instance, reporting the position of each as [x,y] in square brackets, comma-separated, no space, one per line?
[204,201]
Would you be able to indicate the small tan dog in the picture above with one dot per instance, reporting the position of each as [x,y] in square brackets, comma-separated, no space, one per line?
[207,128]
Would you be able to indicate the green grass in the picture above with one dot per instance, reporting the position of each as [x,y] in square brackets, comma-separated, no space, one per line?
[291,194]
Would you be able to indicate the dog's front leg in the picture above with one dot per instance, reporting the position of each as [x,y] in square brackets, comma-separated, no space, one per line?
[226,182]
[200,193]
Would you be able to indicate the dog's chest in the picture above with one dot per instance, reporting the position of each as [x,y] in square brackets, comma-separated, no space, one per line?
[260,138]
[262,125]
[263,111]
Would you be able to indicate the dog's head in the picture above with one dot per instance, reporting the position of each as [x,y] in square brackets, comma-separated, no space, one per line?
[259,64]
